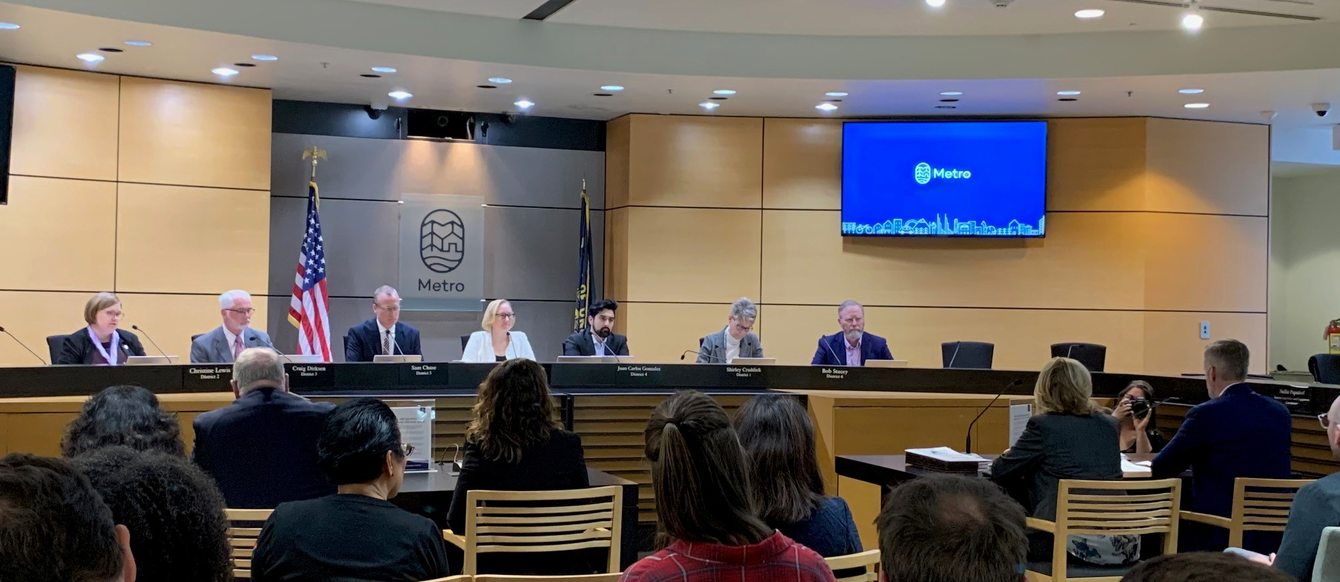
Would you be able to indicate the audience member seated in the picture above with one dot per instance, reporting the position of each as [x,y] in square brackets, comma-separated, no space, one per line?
[788,488]
[55,528]
[951,529]
[101,343]
[514,442]
[1316,507]
[1135,417]
[496,342]
[1203,567]
[123,415]
[356,533]
[1237,433]
[705,513]
[261,449]
[1067,438]
[172,509]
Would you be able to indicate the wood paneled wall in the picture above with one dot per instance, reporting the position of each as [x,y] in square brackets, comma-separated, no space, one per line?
[1154,225]
[156,190]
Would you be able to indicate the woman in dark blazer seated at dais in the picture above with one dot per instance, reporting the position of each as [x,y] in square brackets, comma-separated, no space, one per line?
[101,343]
[515,443]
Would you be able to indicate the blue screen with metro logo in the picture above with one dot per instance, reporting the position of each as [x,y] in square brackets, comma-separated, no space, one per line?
[950,178]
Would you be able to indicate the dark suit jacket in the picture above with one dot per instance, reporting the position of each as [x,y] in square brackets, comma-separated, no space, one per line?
[1058,446]
[261,449]
[364,341]
[832,350]
[556,464]
[1238,434]
[78,347]
[581,344]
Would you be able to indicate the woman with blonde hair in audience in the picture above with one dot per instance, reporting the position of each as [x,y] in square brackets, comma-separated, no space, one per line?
[101,342]
[497,342]
[705,514]
[1068,437]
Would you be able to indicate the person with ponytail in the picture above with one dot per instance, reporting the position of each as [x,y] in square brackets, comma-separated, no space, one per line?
[707,522]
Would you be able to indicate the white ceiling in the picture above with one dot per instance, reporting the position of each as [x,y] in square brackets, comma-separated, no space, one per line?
[877,17]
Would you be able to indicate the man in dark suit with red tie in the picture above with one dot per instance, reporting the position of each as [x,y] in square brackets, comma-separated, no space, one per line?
[383,334]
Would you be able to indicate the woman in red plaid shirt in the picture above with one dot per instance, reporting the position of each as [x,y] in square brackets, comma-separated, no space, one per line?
[703,507]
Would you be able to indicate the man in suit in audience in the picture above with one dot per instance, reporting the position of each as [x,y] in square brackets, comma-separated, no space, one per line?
[1316,507]
[222,344]
[598,339]
[383,334]
[928,524]
[737,340]
[852,346]
[55,526]
[261,449]
[1237,433]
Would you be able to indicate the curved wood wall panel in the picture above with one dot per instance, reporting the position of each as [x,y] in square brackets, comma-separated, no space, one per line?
[802,163]
[692,254]
[695,161]
[1096,164]
[1206,262]
[1213,168]
[193,134]
[173,319]
[32,316]
[60,235]
[65,124]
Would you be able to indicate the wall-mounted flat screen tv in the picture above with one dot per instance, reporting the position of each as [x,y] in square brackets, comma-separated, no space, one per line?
[944,178]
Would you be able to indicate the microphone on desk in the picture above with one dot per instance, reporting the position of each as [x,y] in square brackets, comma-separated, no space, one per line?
[150,338]
[686,353]
[967,444]
[395,346]
[24,346]
[957,345]
[1069,349]
[710,356]
[840,361]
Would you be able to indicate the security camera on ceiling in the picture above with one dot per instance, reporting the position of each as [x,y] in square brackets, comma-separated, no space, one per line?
[1321,109]
[1001,3]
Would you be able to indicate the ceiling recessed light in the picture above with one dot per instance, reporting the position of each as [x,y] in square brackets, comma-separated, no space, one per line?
[1067,99]
[1191,91]
[108,49]
[1069,93]
[138,43]
[244,65]
[383,70]
[836,94]
[946,107]
[718,98]
[370,76]
[949,100]
[950,93]
[1197,106]
[1193,21]
[724,92]
[90,58]
[223,71]
[1090,13]
[935,3]
[264,57]
[826,107]
[611,88]
[486,86]
[524,103]
[400,95]
[500,80]
[709,105]
[9,26]
[602,94]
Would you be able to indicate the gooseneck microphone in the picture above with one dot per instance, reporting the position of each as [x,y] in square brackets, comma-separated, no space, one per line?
[957,345]
[967,444]
[150,338]
[686,353]
[23,345]
[840,361]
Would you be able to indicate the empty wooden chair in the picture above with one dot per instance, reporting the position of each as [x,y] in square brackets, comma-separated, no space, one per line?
[533,522]
[867,560]
[1107,508]
[244,527]
[1258,505]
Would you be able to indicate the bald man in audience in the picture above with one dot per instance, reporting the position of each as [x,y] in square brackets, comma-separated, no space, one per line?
[54,527]
[261,449]
[222,344]
[1316,507]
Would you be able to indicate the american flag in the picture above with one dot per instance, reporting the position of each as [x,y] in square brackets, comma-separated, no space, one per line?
[310,305]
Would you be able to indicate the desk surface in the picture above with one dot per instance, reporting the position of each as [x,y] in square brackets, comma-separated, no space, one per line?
[442,480]
[891,470]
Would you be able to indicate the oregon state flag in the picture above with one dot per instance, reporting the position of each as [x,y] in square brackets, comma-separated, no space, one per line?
[584,266]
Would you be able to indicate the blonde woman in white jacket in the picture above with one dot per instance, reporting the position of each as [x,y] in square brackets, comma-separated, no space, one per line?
[497,342]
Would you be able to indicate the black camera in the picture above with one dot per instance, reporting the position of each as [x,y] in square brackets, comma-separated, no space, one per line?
[1140,407]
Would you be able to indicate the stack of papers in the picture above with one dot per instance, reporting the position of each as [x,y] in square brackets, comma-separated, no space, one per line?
[949,455]
[1131,468]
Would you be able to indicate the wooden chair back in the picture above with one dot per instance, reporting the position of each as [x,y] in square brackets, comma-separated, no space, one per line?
[869,560]
[549,521]
[244,527]
[1112,508]
[1261,505]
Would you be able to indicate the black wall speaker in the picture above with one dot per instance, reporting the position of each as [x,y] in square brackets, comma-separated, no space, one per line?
[441,124]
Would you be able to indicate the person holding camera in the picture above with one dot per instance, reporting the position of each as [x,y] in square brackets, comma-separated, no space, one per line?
[1135,419]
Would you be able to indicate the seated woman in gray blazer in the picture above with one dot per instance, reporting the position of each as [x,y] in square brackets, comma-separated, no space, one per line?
[497,343]
[737,340]
[1067,438]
